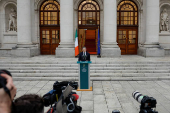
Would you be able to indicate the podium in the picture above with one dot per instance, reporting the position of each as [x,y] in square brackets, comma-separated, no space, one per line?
[84,76]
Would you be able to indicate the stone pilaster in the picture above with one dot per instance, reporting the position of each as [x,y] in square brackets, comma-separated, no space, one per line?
[151,47]
[24,48]
[109,47]
[66,47]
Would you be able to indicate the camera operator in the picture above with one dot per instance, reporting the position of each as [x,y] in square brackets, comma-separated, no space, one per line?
[30,103]
[5,99]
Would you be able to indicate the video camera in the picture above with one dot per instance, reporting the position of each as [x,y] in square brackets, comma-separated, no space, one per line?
[148,104]
[64,100]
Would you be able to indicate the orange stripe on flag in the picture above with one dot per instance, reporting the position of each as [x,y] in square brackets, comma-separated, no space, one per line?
[76,51]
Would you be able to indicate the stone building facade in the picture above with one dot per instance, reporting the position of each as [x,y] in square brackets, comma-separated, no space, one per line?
[47,27]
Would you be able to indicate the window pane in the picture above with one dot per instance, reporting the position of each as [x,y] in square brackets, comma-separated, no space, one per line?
[98,22]
[98,16]
[79,15]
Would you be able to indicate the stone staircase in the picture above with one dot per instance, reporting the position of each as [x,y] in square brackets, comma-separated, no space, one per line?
[100,71]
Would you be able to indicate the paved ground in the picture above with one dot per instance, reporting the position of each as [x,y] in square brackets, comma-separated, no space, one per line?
[108,95]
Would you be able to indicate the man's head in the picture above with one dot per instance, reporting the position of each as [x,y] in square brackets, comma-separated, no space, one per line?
[29,104]
[84,49]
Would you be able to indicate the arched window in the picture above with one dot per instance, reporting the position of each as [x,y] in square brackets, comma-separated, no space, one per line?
[50,13]
[49,26]
[127,13]
[89,13]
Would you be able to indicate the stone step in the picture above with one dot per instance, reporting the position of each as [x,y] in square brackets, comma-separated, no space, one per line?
[91,74]
[75,62]
[91,71]
[92,65]
[67,66]
[99,71]
[92,78]
[91,68]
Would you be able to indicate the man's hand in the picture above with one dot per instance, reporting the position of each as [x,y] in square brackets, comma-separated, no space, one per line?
[5,100]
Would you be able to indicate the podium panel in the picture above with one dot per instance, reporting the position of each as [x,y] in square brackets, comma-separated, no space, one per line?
[84,75]
[84,78]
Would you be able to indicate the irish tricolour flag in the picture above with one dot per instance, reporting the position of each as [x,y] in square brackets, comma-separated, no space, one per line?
[76,44]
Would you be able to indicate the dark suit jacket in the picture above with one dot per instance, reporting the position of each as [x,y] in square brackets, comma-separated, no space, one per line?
[81,57]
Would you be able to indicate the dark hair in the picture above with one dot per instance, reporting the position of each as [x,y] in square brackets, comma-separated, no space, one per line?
[30,103]
[6,72]
[84,47]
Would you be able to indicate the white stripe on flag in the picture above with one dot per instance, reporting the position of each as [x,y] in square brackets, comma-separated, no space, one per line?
[76,42]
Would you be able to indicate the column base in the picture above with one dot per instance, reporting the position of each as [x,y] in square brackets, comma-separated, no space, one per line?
[110,50]
[25,52]
[151,52]
[65,50]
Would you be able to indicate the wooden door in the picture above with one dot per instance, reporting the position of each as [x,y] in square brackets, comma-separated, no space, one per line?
[50,39]
[128,41]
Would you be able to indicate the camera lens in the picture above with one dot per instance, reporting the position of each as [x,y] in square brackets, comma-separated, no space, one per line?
[116,111]
[137,96]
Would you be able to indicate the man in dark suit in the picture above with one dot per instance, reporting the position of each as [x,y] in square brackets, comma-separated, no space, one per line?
[84,55]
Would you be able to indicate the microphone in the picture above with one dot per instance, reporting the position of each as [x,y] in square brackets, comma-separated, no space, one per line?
[75,97]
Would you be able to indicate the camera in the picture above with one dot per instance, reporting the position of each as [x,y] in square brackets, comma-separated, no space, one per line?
[3,81]
[53,96]
[148,104]
[64,100]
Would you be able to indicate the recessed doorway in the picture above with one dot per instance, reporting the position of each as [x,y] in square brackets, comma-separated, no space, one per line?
[88,25]
[88,38]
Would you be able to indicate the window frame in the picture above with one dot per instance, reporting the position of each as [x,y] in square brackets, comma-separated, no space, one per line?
[120,11]
[81,11]
[43,5]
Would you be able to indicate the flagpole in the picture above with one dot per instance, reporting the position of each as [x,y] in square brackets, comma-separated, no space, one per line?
[98,45]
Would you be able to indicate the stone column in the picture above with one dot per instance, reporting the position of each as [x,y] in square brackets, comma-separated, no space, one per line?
[109,47]
[24,48]
[151,46]
[66,47]
[24,22]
